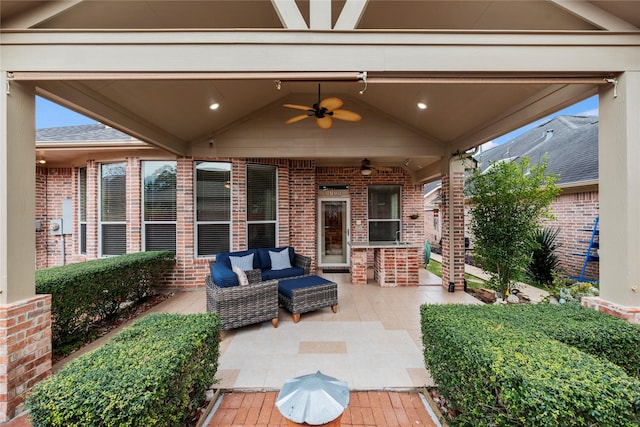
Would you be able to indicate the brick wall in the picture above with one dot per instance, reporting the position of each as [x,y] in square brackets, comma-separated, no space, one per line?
[52,186]
[25,350]
[297,209]
[412,201]
[575,212]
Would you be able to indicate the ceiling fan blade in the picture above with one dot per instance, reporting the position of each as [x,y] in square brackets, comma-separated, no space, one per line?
[383,168]
[324,122]
[347,115]
[331,103]
[297,118]
[298,107]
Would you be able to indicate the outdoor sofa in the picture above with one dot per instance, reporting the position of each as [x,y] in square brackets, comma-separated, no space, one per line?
[256,301]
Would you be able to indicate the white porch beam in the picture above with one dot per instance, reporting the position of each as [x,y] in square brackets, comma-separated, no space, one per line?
[17,191]
[289,14]
[319,14]
[428,173]
[321,51]
[619,154]
[351,14]
[94,105]
[594,15]
[40,14]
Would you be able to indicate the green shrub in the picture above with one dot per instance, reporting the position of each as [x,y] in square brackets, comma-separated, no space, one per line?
[544,259]
[497,372]
[151,373]
[85,293]
[591,331]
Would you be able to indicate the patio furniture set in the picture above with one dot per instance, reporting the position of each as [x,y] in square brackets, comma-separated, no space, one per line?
[248,287]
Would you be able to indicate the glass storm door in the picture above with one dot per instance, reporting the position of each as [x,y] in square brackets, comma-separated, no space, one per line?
[333,233]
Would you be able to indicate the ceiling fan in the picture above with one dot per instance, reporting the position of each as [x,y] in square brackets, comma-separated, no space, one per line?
[366,168]
[324,111]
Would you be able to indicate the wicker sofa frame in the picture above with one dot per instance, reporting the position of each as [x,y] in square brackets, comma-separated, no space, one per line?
[245,305]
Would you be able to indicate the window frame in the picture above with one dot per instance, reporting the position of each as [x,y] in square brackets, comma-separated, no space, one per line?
[273,221]
[101,222]
[397,220]
[196,222]
[143,220]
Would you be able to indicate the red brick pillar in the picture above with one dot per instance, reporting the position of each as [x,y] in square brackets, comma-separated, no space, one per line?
[93,204]
[453,226]
[134,205]
[25,350]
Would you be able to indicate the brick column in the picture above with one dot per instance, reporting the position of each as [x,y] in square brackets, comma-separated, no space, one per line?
[25,350]
[93,204]
[453,226]
[134,205]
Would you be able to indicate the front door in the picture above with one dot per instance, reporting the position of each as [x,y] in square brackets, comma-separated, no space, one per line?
[333,233]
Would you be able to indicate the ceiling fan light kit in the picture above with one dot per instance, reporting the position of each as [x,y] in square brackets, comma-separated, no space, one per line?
[324,111]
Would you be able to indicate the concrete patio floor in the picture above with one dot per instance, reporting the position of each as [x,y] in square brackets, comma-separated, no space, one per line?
[373,342]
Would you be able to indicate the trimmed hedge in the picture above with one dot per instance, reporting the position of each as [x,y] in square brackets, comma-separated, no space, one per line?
[85,293]
[502,372]
[151,373]
[591,331]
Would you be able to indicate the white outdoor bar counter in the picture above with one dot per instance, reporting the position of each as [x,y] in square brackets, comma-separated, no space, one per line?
[394,264]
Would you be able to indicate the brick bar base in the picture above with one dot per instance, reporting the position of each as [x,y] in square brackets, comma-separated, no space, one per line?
[25,350]
[396,267]
[630,314]
[359,266]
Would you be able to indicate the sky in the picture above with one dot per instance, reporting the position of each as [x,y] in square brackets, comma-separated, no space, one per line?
[49,114]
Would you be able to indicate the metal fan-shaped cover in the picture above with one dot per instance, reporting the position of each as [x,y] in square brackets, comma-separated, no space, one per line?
[313,399]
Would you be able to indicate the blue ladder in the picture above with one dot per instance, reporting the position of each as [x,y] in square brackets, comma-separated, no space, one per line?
[594,243]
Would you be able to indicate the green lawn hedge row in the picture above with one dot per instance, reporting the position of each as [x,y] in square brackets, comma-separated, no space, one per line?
[497,372]
[591,331]
[150,374]
[85,293]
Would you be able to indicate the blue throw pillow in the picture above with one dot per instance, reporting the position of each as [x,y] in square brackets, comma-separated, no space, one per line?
[245,263]
[280,260]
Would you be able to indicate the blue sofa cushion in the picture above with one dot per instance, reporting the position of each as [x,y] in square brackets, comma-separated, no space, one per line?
[286,287]
[265,259]
[279,274]
[224,277]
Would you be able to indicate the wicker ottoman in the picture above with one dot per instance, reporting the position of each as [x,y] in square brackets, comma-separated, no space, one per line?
[307,293]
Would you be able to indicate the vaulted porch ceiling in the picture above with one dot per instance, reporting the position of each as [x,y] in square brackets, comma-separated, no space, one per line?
[484,68]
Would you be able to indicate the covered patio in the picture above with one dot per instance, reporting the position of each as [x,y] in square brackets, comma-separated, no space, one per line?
[151,69]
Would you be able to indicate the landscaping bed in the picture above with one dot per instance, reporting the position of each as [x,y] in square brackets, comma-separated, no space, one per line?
[155,372]
[506,365]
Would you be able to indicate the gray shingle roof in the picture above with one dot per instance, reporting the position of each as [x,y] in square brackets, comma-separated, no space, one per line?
[82,133]
[570,143]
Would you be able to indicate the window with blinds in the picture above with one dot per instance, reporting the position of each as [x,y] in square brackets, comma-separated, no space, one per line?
[213,207]
[159,206]
[82,210]
[262,200]
[383,212]
[113,209]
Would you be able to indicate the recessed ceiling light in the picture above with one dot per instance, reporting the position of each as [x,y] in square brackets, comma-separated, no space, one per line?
[422,105]
[214,106]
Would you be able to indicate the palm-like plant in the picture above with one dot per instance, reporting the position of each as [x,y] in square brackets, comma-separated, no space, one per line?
[544,259]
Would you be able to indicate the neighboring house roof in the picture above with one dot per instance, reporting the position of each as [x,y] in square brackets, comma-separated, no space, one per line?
[82,133]
[570,143]
[431,187]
